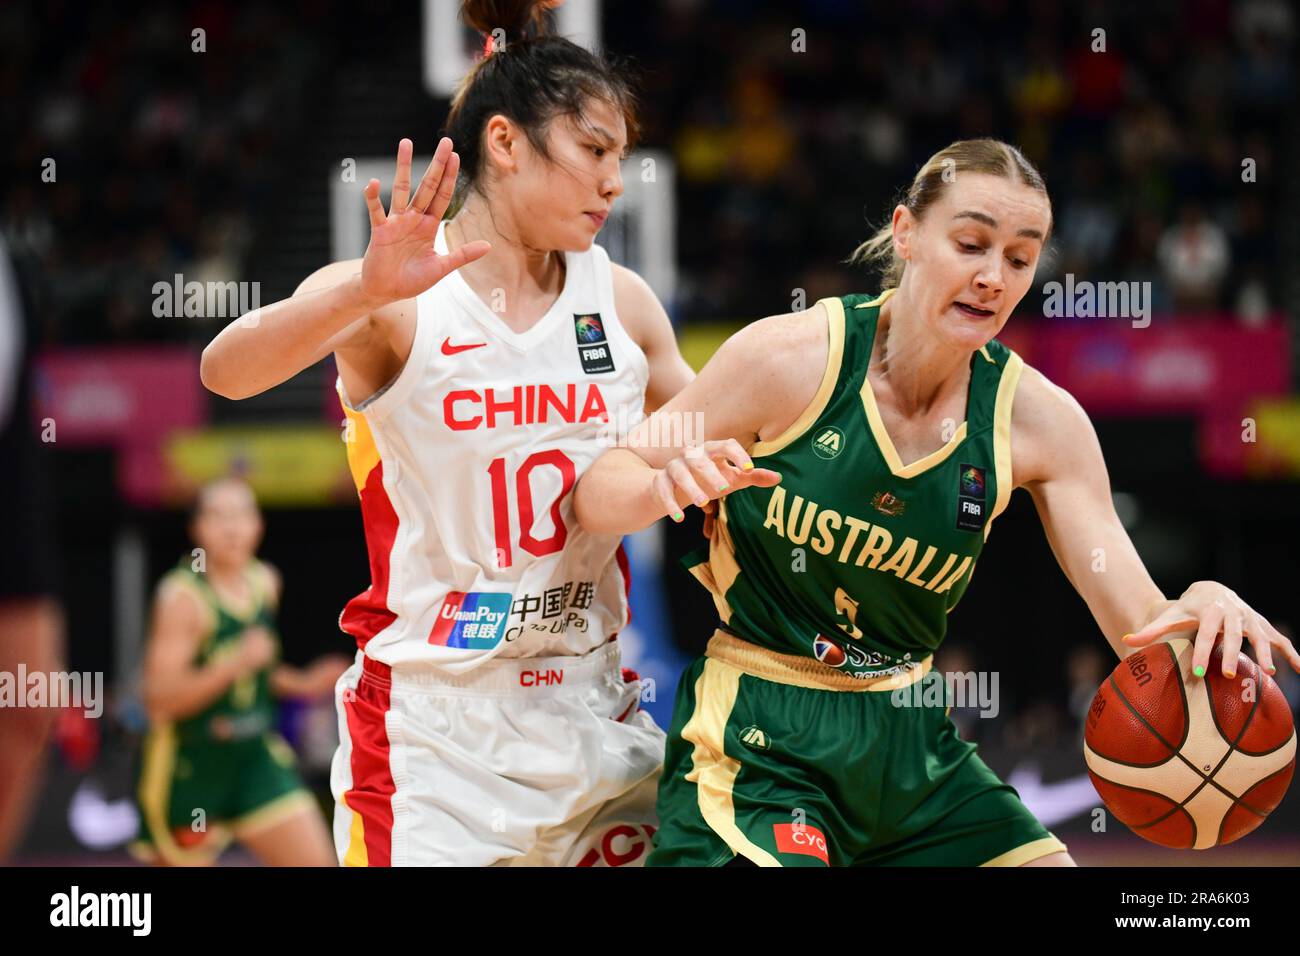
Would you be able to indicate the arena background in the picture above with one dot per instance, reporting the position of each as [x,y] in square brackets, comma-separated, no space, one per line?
[780,134]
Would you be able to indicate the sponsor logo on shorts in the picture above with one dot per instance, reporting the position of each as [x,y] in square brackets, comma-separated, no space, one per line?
[471,619]
[620,845]
[755,738]
[802,839]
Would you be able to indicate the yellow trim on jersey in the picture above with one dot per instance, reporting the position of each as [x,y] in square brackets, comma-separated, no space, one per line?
[712,771]
[883,441]
[356,854]
[160,746]
[797,671]
[886,444]
[1028,852]
[1002,435]
[878,300]
[363,454]
[834,359]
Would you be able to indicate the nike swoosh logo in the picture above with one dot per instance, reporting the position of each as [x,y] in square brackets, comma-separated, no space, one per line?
[449,349]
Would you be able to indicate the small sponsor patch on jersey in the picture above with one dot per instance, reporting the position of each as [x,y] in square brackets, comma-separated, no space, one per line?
[471,619]
[828,652]
[593,346]
[755,738]
[828,442]
[971,503]
[887,503]
[802,839]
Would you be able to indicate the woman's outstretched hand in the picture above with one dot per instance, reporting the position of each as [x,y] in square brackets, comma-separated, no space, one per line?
[400,261]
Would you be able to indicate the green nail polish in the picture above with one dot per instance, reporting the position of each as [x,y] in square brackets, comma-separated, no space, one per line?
[677,516]
[722,488]
[1198,670]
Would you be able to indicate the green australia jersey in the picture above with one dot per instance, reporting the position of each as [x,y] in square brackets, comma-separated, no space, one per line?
[247,708]
[856,558]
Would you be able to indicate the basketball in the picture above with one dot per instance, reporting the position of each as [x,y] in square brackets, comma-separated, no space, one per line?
[1187,762]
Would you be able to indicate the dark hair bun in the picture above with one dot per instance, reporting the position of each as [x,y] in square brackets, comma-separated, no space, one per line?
[513,16]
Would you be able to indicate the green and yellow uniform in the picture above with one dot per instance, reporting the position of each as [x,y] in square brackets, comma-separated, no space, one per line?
[224,770]
[812,730]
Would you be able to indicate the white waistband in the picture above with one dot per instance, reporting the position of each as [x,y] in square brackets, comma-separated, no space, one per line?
[504,676]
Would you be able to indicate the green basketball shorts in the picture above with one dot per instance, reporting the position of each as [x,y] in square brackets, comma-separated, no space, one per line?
[786,762]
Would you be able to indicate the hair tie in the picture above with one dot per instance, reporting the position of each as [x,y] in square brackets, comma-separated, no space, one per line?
[488,47]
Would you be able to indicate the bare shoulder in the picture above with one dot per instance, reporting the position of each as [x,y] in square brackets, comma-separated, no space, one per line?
[783,358]
[1050,431]
[639,309]
[178,604]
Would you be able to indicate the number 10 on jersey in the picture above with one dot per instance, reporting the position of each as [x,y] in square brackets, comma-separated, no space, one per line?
[501,523]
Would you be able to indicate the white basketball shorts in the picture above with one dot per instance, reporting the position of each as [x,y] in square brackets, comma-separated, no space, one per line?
[533,762]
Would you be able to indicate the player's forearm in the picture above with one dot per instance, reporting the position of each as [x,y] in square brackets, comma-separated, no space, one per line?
[616,496]
[188,694]
[275,342]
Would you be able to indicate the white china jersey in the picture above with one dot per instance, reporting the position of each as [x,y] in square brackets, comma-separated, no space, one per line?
[465,465]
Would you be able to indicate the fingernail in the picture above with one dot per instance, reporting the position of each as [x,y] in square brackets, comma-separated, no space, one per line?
[1230,674]
[677,516]
[1272,668]
[1198,670]
[749,466]
[723,487]
[1126,637]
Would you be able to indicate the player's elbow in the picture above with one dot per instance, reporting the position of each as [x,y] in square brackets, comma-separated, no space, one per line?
[215,374]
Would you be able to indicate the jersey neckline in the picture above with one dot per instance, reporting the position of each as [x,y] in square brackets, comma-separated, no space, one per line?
[877,424]
[521,341]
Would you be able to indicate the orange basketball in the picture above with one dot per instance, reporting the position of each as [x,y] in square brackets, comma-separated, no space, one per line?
[1189,762]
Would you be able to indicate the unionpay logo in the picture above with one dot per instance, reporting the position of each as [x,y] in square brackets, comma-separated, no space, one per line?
[471,619]
[828,442]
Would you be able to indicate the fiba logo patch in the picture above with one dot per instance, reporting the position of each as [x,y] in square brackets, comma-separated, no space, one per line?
[593,348]
[828,442]
[970,498]
[755,739]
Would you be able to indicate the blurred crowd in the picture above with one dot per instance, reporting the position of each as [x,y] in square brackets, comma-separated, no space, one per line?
[140,150]
[793,126]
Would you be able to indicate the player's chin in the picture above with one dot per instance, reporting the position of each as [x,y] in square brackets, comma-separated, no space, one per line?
[963,333]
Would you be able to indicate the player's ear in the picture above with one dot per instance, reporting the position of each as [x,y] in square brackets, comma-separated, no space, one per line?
[501,143]
[904,223]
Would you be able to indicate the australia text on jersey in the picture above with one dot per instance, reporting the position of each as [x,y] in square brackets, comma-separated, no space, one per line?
[875,546]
